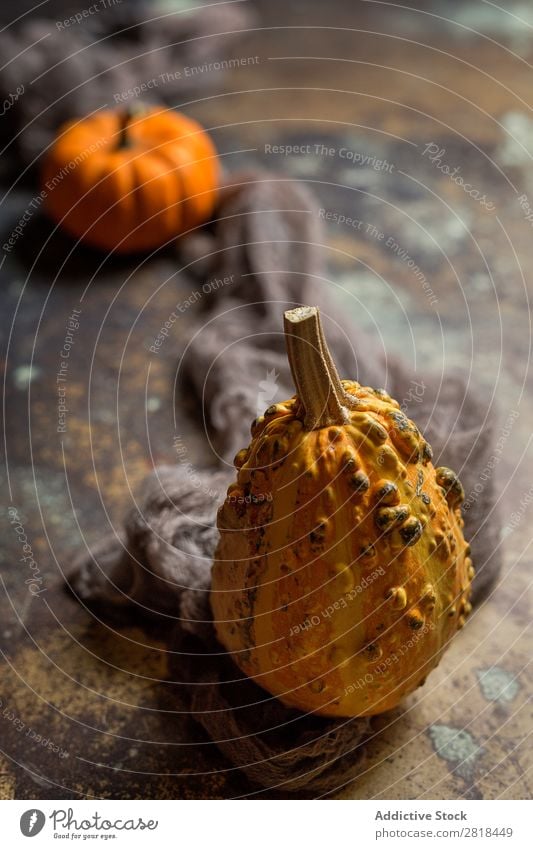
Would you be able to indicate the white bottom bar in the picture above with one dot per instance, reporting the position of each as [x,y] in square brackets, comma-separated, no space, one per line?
[267,824]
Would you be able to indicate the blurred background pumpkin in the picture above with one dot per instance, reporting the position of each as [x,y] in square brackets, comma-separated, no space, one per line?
[130,180]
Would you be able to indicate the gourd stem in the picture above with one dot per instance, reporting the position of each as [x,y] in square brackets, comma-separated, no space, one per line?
[124,119]
[317,382]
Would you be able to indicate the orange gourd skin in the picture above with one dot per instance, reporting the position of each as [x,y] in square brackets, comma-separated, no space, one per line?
[131,191]
[341,572]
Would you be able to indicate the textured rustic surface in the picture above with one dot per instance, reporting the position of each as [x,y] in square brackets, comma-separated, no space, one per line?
[92,687]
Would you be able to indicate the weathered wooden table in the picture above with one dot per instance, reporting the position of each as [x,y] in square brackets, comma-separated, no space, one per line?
[387,109]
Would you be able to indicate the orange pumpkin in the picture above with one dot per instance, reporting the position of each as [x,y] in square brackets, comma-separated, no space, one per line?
[341,573]
[130,182]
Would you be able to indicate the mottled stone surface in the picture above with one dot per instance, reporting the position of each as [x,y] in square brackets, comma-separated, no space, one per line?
[383,87]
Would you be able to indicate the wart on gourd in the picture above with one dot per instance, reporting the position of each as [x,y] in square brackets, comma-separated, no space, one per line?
[352,488]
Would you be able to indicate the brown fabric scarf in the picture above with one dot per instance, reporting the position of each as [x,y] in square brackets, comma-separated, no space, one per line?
[267,240]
